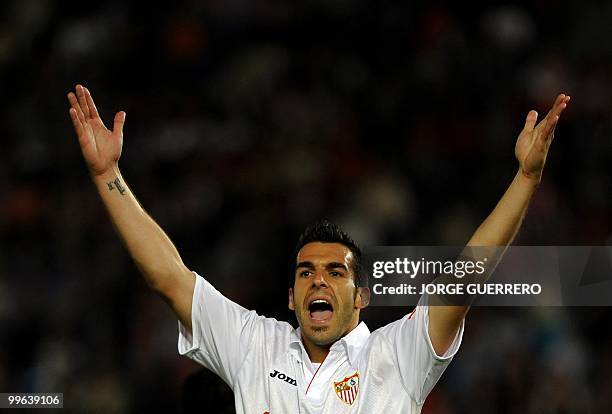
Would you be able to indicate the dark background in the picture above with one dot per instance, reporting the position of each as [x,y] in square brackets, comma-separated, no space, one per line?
[247,121]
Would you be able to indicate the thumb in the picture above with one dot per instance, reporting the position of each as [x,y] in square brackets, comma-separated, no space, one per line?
[530,121]
[118,122]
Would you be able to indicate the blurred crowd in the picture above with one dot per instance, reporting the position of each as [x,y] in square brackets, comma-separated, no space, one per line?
[247,121]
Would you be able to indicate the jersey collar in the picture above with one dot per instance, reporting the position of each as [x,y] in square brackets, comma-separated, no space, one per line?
[352,343]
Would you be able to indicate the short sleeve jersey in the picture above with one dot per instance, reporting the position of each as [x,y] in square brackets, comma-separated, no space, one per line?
[390,370]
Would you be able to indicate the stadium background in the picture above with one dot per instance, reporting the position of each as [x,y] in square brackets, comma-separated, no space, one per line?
[248,120]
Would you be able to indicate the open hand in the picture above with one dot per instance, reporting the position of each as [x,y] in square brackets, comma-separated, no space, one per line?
[534,140]
[101,147]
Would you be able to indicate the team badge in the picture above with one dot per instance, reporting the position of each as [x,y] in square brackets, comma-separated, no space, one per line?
[348,388]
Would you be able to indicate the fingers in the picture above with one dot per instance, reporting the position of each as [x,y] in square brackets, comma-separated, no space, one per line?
[80,91]
[559,105]
[530,121]
[75,105]
[549,128]
[78,127]
[93,111]
[118,122]
[553,117]
[558,100]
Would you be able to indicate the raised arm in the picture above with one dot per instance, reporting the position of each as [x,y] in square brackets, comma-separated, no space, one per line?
[501,226]
[151,249]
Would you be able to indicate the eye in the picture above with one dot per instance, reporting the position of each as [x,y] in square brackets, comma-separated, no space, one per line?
[305,273]
[335,274]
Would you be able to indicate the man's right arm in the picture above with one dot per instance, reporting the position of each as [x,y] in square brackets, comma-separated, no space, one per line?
[150,248]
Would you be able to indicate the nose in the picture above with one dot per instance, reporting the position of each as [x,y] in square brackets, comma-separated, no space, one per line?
[319,280]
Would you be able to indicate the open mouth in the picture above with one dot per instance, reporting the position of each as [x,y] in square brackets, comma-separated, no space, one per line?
[320,311]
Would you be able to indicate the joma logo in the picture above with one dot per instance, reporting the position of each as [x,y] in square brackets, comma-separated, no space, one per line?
[283,377]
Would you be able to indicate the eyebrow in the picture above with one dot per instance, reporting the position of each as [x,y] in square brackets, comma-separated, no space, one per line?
[330,265]
[336,265]
[307,265]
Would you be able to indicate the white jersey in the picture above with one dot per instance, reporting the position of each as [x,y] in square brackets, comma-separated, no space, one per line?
[390,370]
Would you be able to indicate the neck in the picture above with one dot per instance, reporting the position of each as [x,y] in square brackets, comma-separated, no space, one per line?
[316,353]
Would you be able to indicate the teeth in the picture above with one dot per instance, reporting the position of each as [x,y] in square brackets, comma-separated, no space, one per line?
[320,301]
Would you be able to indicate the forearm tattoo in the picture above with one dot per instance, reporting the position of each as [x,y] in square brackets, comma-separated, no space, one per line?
[116,185]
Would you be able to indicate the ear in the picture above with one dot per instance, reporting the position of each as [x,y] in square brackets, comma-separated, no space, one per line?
[291,305]
[362,299]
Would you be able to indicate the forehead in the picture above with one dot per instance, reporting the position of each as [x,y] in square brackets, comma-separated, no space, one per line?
[318,252]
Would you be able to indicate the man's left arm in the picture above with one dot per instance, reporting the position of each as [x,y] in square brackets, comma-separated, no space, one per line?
[500,227]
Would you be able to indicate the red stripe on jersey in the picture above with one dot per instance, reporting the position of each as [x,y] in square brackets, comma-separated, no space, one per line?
[315,374]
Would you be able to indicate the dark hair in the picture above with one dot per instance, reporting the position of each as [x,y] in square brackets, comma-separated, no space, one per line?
[325,231]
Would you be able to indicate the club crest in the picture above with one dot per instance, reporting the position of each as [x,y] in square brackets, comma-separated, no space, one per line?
[348,388]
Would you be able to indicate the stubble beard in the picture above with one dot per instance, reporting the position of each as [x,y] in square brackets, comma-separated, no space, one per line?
[320,335]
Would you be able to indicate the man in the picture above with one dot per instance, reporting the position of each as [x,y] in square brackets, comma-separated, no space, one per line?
[332,363]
